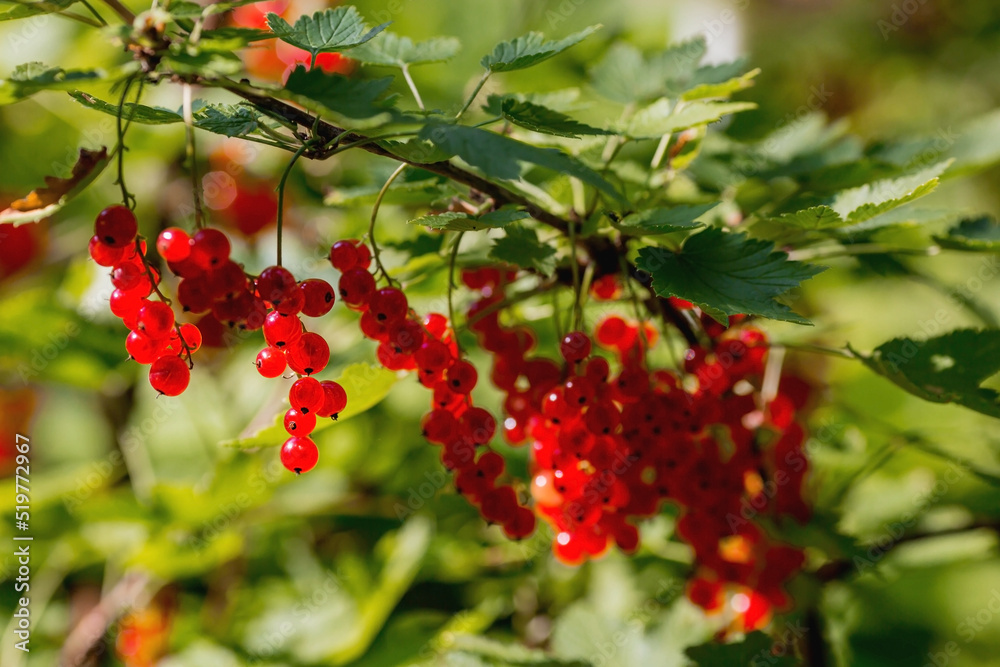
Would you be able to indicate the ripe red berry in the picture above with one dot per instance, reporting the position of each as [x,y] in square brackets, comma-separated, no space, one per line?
[318,297]
[226,280]
[364,256]
[281,330]
[125,303]
[276,283]
[575,346]
[191,335]
[389,305]
[344,255]
[194,295]
[156,319]
[126,275]
[173,244]
[116,226]
[169,375]
[335,399]
[104,254]
[209,248]
[461,377]
[480,424]
[299,454]
[299,423]
[405,337]
[307,395]
[356,287]
[309,354]
[270,362]
[292,303]
[142,348]
[611,331]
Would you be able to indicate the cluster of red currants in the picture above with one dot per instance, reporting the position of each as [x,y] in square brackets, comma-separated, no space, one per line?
[310,399]
[428,346]
[155,337]
[611,446]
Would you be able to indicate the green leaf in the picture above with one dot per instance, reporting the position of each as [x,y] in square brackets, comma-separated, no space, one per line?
[231,38]
[723,89]
[336,29]
[231,120]
[365,385]
[625,75]
[22,10]
[755,648]
[415,186]
[464,222]
[663,117]
[345,97]
[946,369]
[531,49]
[538,118]
[980,234]
[666,220]
[30,78]
[861,203]
[139,113]
[500,157]
[425,244]
[727,274]
[815,217]
[210,64]
[522,248]
[393,50]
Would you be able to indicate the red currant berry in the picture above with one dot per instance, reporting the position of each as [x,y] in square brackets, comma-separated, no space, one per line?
[575,346]
[439,426]
[299,423]
[406,337]
[335,399]
[611,331]
[173,244]
[156,319]
[344,255]
[126,276]
[309,354]
[461,377]
[281,330]
[275,284]
[480,424]
[194,295]
[356,287]
[292,303]
[169,375]
[521,525]
[307,395]
[270,362]
[436,325]
[142,348]
[192,337]
[125,303]
[432,358]
[104,254]
[389,305]
[318,297]
[209,248]
[299,454]
[227,279]
[116,226]
[364,257]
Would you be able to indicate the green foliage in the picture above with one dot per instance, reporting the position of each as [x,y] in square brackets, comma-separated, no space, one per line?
[727,274]
[22,10]
[665,220]
[345,98]
[980,234]
[520,246]
[663,117]
[338,29]
[529,50]
[754,649]
[391,50]
[33,77]
[947,369]
[538,118]
[465,222]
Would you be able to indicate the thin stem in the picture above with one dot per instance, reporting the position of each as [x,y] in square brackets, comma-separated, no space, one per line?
[472,97]
[661,150]
[451,286]
[281,194]
[575,270]
[124,12]
[149,271]
[192,156]
[367,140]
[127,198]
[312,60]
[93,11]
[413,86]
[79,18]
[371,224]
[816,349]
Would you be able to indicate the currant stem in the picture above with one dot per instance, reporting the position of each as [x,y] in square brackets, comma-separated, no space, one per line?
[281,194]
[124,12]
[816,349]
[192,156]
[472,97]
[575,269]
[127,198]
[149,271]
[451,288]
[371,225]
[413,87]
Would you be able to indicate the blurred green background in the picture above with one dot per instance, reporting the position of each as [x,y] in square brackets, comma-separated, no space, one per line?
[371,559]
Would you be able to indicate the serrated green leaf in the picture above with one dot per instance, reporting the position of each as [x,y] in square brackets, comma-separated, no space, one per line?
[663,117]
[861,203]
[138,113]
[722,89]
[231,38]
[393,50]
[464,222]
[529,50]
[33,77]
[538,118]
[625,75]
[815,217]
[337,29]
[520,246]
[666,220]
[231,120]
[980,234]
[946,369]
[425,244]
[500,157]
[355,99]
[366,386]
[210,64]
[419,151]
[755,648]
[557,100]
[897,217]
[727,274]
[22,10]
